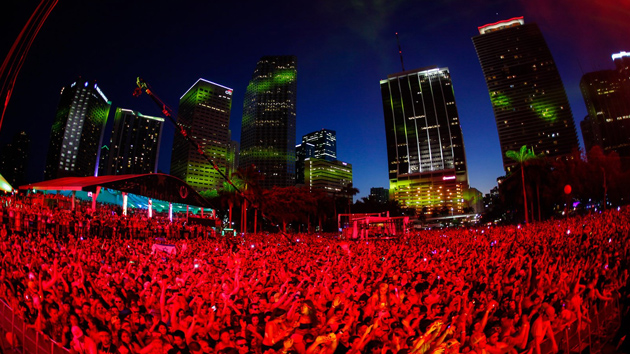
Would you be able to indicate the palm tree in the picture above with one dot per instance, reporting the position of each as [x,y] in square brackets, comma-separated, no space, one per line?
[248,180]
[521,157]
[230,197]
[288,204]
[349,192]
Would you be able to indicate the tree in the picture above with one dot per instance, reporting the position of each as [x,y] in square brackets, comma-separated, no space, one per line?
[288,204]
[521,157]
[324,205]
[247,180]
[349,191]
[229,196]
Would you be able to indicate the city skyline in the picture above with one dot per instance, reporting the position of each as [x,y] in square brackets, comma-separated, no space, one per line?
[339,63]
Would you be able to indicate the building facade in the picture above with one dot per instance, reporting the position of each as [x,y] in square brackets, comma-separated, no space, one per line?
[303,151]
[77,132]
[14,159]
[204,110]
[425,146]
[269,117]
[607,98]
[233,154]
[134,147]
[528,98]
[379,194]
[327,176]
[325,142]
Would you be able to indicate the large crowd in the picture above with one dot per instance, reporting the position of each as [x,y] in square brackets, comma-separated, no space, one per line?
[481,290]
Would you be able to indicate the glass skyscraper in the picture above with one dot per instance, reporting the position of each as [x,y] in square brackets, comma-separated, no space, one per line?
[425,147]
[205,112]
[134,147]
[529,102]
[268,126]
[77,132]
[325,142]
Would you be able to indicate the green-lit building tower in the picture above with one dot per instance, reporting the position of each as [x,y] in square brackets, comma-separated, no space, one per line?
[268,126]
[330,177]
[528,98]
[77,132]
[205,112]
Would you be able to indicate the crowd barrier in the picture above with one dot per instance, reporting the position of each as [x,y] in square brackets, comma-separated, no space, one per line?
[18,337]
[604,324]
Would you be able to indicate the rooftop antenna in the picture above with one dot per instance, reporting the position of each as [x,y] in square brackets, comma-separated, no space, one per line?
[400,52]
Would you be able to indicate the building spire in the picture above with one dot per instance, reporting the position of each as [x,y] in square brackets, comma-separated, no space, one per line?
[400,52]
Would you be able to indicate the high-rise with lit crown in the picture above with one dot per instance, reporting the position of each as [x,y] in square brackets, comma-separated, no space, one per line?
[325,142]
[204,110]
[528,98]
[134,147]
[607,98]
[77,132]
[269,118]
[425,147]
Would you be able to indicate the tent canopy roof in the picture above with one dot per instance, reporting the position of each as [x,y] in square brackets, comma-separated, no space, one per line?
[153,185]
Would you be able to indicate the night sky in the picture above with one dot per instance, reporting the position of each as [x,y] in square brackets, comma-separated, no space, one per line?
[343,47]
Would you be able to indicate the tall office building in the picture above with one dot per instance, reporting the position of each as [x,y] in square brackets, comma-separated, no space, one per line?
[233,154]
[205,112]
[134,147]
[268,126]
[303,151]
[425,147]
[379,195]
[327,176]
[77,132]
[325,142]
[529,102]
[607,97]
[622,65]
[14,159]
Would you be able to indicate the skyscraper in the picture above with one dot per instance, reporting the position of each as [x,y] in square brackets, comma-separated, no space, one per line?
[303,151]
[529,102]
[135,143]
[379,195]
[328,176]
[268,126]
[77,132]
[321,144]
[425,147]
[325,142]
[205,112]
[14,159]
[607,98]
[233,154]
